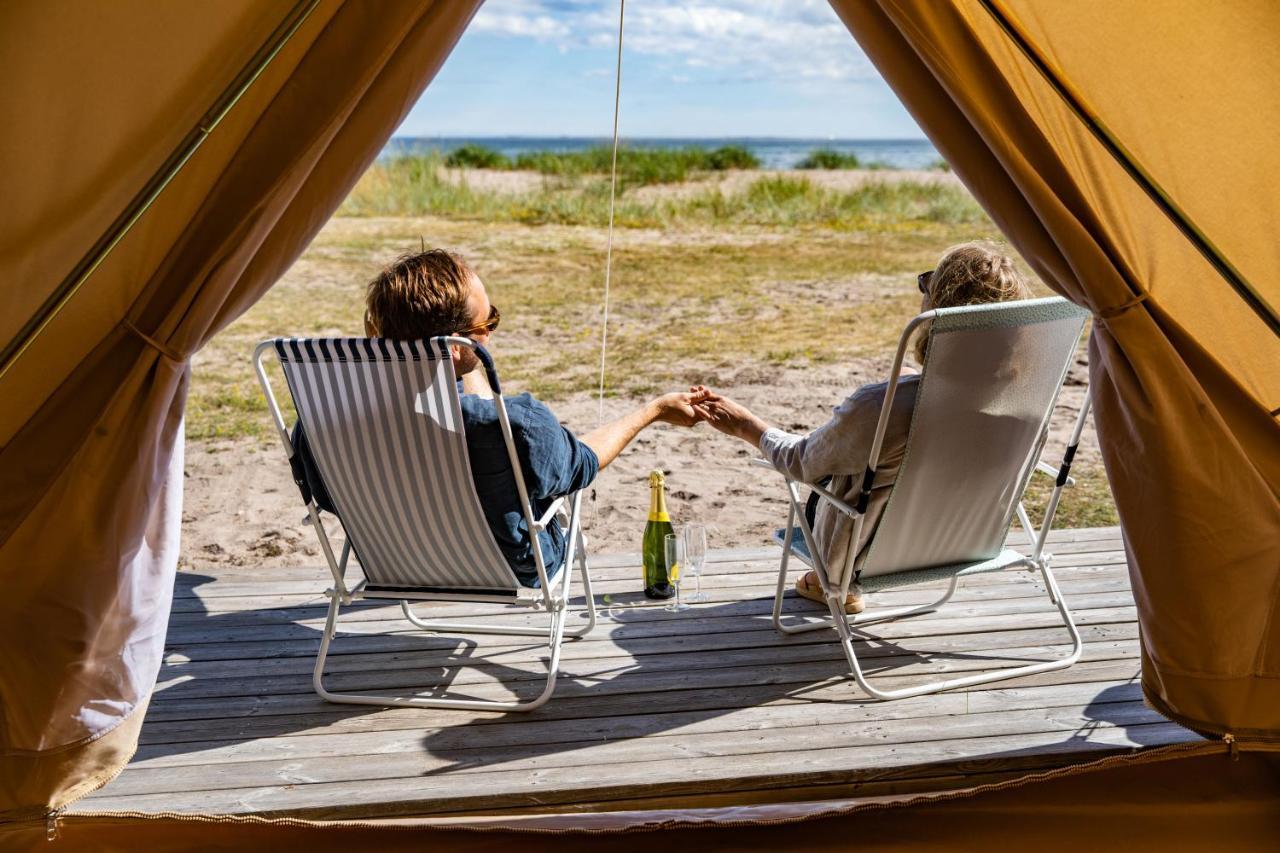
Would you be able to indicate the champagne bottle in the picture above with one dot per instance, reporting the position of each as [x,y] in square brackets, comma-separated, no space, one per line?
[655,533]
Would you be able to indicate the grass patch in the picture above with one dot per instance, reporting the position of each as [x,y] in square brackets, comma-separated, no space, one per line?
[1086,504]
[828,158]
[636,166]
[418,186]
[473,156]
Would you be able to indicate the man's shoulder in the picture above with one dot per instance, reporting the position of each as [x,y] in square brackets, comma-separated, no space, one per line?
[524,410]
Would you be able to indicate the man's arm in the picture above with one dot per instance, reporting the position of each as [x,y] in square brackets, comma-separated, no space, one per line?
[609,440]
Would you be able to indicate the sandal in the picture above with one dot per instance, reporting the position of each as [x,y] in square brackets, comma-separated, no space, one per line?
[812,590]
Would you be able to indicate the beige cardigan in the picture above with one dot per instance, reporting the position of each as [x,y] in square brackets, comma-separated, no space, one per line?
[840,448]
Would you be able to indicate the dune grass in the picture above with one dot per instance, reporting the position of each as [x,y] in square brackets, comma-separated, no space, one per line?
[420,186]
[637,166]
[827,158]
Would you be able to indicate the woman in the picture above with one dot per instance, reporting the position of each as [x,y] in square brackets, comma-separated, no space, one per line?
[968,274]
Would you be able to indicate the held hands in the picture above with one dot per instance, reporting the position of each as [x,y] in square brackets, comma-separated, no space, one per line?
[701,404]
[730,417]
[680,408]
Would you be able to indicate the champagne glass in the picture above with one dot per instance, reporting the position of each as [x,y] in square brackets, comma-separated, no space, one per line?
[695,556]
[673,548]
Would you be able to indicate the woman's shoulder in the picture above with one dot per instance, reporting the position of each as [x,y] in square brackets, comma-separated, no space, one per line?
[873,394]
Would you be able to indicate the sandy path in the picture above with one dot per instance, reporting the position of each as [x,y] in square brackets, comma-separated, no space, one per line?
[729,182]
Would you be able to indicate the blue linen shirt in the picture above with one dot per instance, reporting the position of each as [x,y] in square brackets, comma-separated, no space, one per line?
[554,463]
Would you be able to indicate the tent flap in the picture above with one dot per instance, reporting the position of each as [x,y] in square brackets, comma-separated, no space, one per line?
[93,418]
[1183,371]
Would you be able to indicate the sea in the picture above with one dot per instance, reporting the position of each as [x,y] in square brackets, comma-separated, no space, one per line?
[773,152]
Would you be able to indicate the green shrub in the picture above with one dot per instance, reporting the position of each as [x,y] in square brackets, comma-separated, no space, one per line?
[940,165]
[731,157]
[418,185]
[638,166]
[827,158]
[473,156]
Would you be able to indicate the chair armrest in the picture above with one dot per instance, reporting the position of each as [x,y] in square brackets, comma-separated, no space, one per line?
[848,510]
[1045,468]
[541,524]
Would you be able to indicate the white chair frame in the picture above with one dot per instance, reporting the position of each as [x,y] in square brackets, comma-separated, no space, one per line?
[835,594]
[552,596]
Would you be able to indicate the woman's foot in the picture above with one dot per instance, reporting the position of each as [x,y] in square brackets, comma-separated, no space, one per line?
[807,586]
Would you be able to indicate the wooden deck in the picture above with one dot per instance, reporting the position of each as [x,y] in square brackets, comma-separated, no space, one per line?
[653,709]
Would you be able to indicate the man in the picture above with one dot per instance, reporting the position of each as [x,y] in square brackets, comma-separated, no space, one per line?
[435,293]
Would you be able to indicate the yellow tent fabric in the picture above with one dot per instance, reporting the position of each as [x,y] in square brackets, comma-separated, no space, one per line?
[1089,130]
[1055,115]
[91,426]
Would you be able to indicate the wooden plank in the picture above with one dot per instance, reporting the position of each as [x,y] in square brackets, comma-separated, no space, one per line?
[459,739]
[786,677]
[749,714]
[280,716]
[726,585]
[314,581]
[720,650]
[620,565]
[410,756]
[1080,591]
[637,638]
[605,780]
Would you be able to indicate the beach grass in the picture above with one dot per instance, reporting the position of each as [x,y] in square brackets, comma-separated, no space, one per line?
[827,158]
[422,186]
[637,166]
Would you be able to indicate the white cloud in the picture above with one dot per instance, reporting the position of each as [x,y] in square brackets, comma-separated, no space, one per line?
[739,39]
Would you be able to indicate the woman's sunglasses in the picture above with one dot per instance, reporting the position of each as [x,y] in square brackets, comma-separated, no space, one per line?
[922,281]
[490,325]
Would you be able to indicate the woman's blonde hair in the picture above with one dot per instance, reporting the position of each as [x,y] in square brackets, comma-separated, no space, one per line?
[972,274]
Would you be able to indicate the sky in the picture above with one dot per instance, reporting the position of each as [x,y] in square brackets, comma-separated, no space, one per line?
[785,68]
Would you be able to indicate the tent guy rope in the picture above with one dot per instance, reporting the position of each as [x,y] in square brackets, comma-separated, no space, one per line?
[613,192]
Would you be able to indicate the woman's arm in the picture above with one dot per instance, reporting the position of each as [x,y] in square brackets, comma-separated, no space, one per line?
[611,439]
[840,446]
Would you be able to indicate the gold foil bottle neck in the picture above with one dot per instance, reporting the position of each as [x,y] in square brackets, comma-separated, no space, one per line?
[657,478]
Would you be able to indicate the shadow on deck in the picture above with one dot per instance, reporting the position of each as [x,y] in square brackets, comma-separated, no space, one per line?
[706,707]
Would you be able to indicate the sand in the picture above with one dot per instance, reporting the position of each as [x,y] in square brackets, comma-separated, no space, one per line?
[729,182]
[242,508]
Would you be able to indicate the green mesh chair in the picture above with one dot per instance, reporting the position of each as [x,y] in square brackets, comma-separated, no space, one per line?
[981,416]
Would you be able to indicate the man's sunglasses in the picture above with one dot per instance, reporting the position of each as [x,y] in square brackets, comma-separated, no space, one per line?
[490,325]
[922,281]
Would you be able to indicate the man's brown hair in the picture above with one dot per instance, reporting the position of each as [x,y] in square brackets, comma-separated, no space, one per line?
[420,295]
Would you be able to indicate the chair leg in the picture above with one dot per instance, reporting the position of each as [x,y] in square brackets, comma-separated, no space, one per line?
[554,634]
[586,591]
[844,628]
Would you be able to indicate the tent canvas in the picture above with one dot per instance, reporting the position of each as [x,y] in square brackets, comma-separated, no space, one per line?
[1092,132]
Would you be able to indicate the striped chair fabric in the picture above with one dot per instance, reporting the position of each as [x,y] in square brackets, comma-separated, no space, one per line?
[384,423]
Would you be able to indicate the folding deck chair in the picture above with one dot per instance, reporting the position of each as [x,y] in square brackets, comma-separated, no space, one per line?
[982,413]
[384,424]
